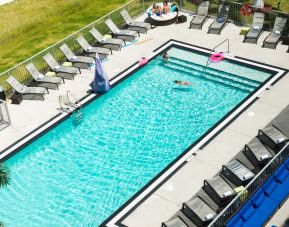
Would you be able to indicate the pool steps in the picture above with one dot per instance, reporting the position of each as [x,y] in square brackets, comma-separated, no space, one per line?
[229,79]
[217,71]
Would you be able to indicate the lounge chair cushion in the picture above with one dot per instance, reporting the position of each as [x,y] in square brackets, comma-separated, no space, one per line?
[221,19]
[269,186]
[49,73]
[258,198]
[175,222]
[198,19]
[281,174]
[247,211]
[287,163]
[236,220]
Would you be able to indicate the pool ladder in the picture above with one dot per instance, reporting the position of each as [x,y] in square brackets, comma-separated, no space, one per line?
[213,49]
[73,107]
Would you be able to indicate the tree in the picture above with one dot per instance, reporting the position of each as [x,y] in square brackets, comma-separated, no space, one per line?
[4,176]
[4,180]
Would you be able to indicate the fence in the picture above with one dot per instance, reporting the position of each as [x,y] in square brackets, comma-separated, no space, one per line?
[234,13]
[135,8]
[255,184]
[4,115]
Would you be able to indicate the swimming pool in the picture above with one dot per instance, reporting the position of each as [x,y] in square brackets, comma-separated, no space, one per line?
[81,174]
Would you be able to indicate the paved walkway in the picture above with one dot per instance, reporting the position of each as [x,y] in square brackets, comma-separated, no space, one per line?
[167,199]
[281,218]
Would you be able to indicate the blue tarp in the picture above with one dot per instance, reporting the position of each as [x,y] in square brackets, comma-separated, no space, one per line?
[100,83]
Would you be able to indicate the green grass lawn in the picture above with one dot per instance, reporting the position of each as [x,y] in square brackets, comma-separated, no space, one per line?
[284,4]
[29,26]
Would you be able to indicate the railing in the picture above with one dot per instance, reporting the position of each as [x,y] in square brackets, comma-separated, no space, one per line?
[4,115]
[258,180]
[234,13]
[135,8]
[214,49]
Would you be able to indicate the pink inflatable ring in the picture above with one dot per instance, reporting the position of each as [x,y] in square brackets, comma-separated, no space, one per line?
[217,57]
[143,61]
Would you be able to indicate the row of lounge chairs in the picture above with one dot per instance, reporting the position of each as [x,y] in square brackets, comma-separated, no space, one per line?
[202,15]
[254,31]
[68,72]
[218,191]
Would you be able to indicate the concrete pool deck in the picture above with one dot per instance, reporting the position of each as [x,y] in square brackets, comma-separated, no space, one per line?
[164,202]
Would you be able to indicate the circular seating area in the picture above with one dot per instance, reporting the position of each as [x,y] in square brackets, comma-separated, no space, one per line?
[163,19]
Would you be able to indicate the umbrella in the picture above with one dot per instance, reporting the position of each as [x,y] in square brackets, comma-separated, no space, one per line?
[100,83]
[258,3]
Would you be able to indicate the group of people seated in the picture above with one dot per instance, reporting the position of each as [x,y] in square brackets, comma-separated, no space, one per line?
[165,8]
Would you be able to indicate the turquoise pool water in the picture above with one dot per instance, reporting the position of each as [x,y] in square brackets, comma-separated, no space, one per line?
[78,175]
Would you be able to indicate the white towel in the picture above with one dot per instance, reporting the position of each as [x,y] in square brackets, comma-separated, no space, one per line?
[280,140]
[277,32]
[227,193]
[209,216]
[40,76]
[89,48]
[74,57]
[247,176]
[264,156]
[256,27]
[56,67]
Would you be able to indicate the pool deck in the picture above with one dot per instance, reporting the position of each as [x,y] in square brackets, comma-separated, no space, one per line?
[165,201]
[281,218]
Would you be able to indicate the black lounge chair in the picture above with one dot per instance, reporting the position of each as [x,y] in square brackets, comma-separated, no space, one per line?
[219,189]
[273,38]
[106,42]
[273,137]
[221,20]
[257,152]
[256,28]
[134,25]
[62,71]
[75,59]
[31,92]
[123,34]
[237,172]
[198,211]
[175,222]
[201,16]
[91,51]
[43,80]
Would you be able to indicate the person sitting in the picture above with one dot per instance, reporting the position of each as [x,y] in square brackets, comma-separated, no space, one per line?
[166,56]
[179,82]
[166,7]
[156,10]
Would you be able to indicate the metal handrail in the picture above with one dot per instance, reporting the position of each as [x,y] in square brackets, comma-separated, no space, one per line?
[76,104]
[245,190]
[4,113]
[213,49]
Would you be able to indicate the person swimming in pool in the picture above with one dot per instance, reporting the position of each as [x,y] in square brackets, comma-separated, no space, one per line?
[179,82]
[166,56]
